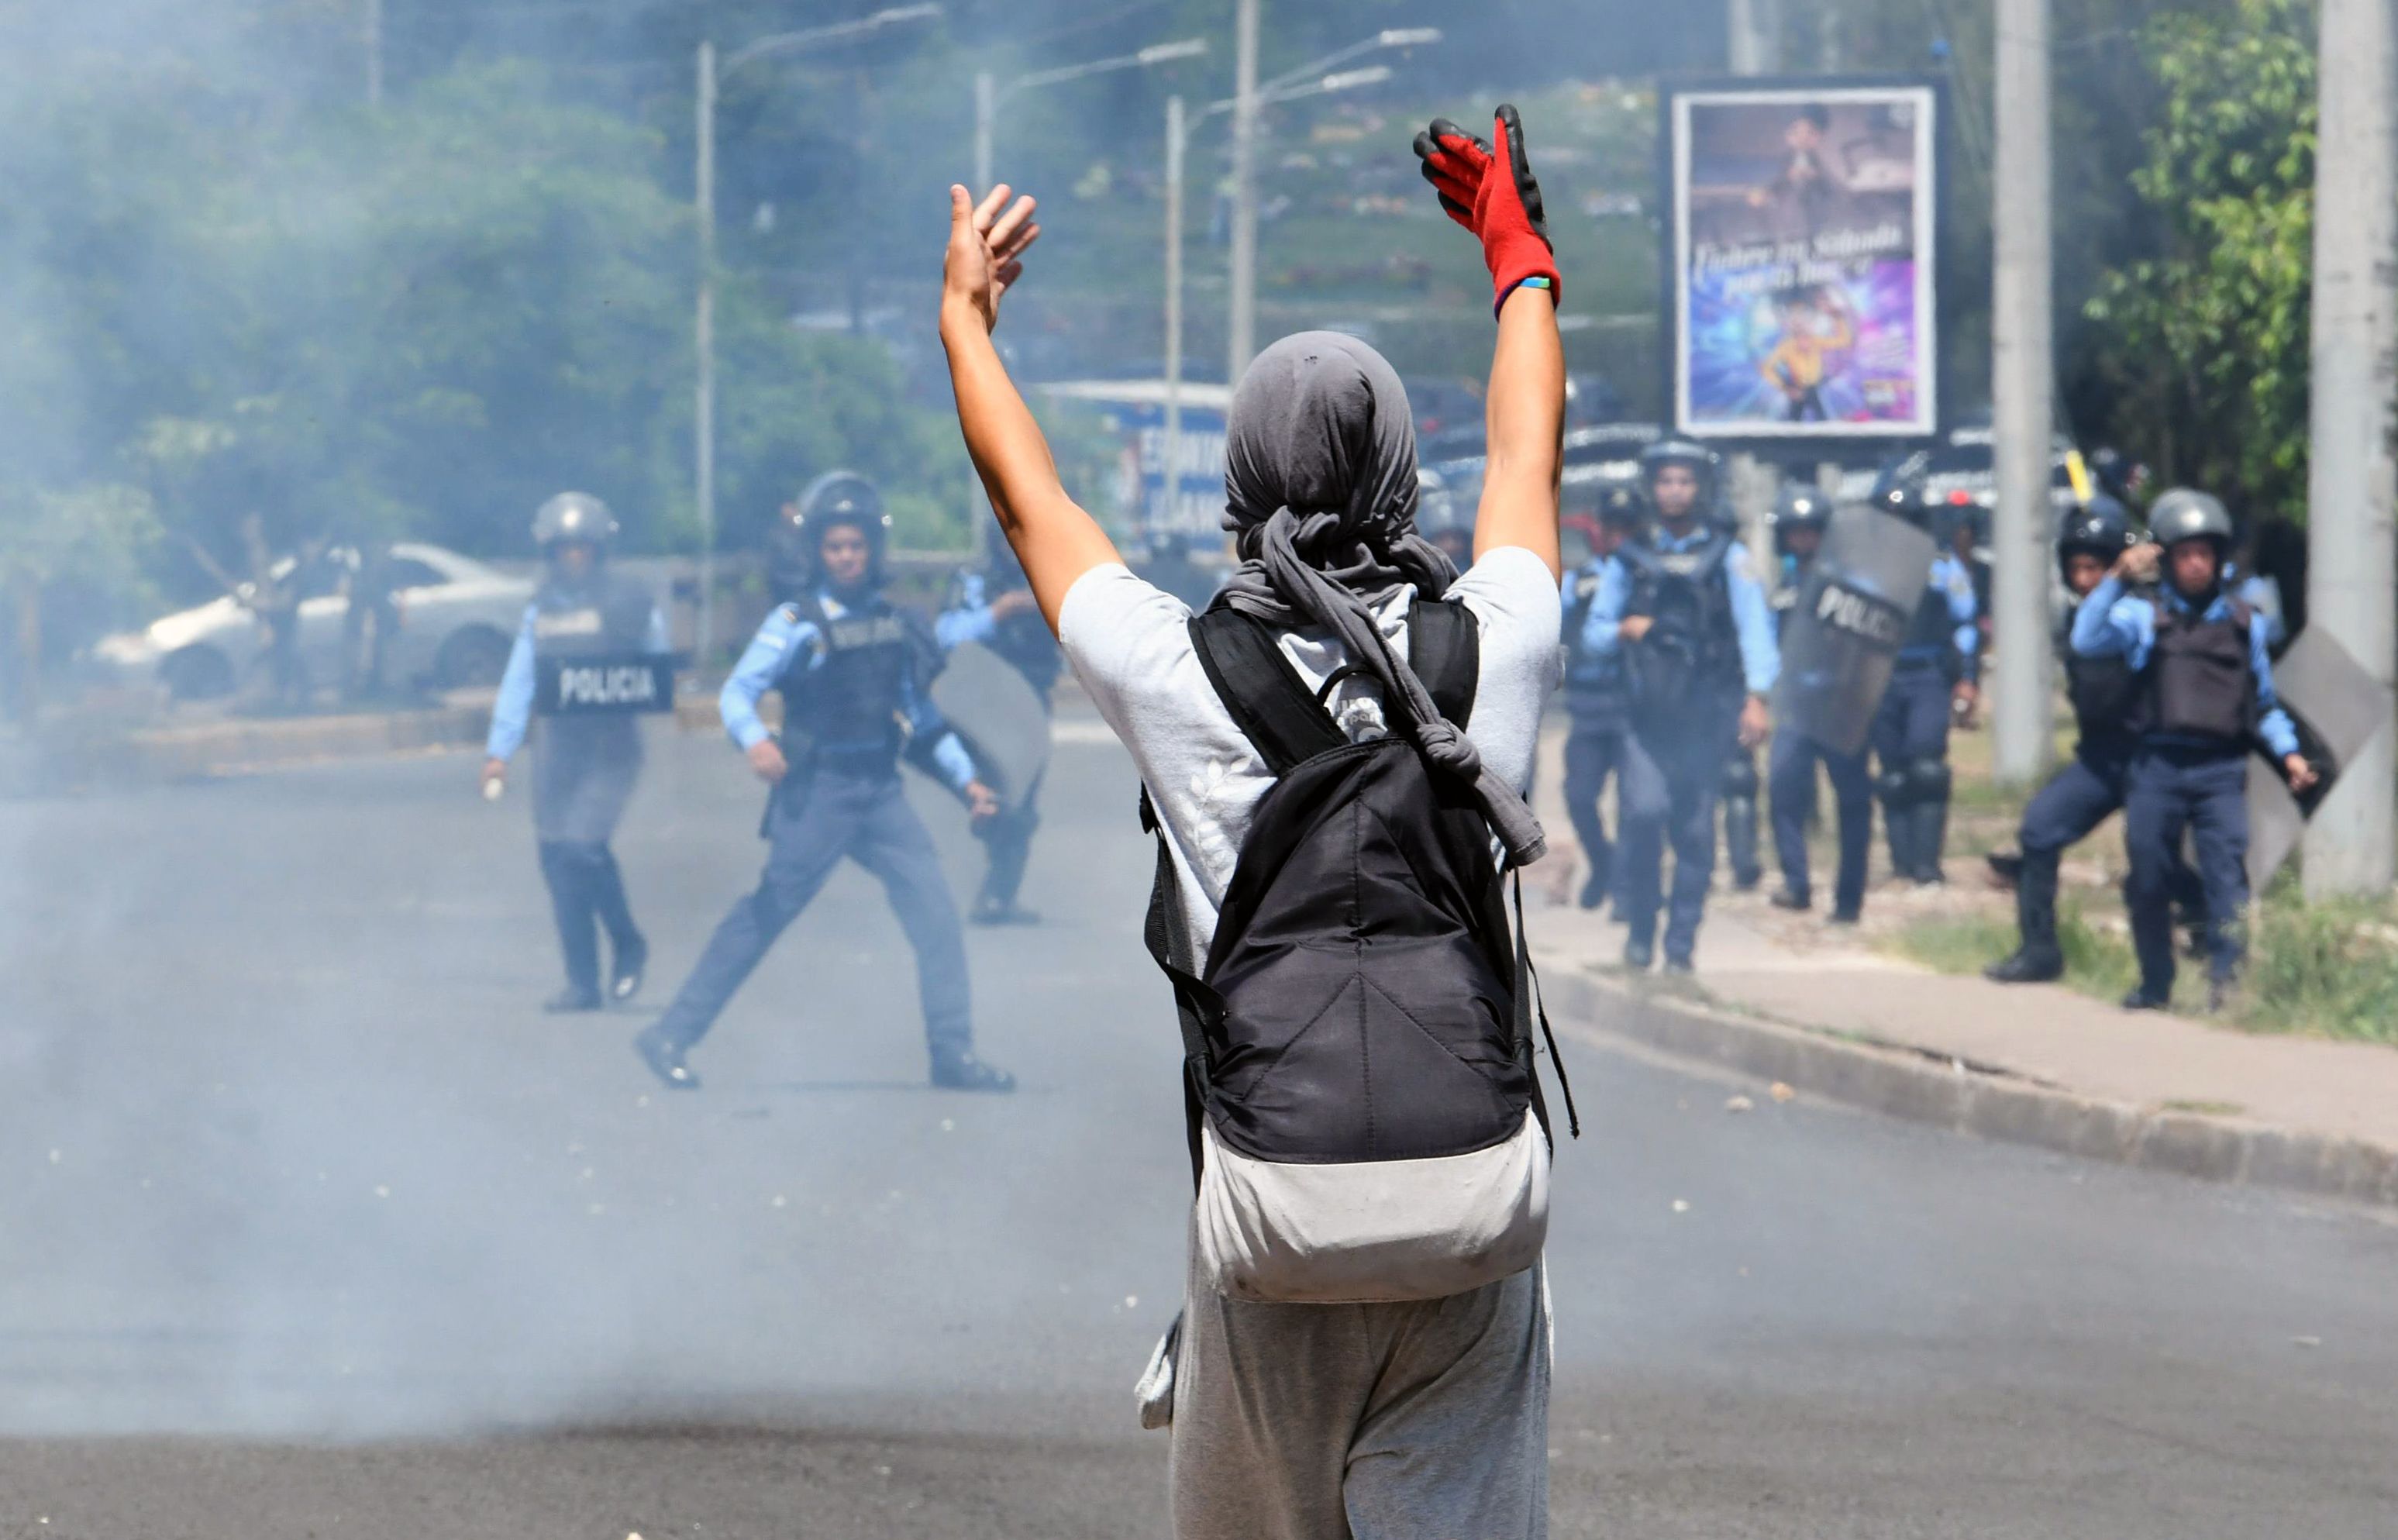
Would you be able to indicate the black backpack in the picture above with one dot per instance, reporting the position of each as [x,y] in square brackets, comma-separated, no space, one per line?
[1358,1038]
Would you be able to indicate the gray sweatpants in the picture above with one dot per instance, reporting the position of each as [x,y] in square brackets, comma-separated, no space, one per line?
[1424,1420]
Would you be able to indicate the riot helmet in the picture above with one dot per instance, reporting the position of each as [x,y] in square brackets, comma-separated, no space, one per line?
[835,500]
[573,518]
[1904,503]
[1799,508]
[1623,510]
[573,530]
[2101,527]
[2182,514]
[1671,453]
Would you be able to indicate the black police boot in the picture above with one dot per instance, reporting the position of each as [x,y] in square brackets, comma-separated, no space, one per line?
[2140,999]
[1845,917]
[663,1056]
[958,1070]
[1740,843]
[1930,838]
[1898,828]
[1792,898]
[631,960]
[572,1000]
[2038,958]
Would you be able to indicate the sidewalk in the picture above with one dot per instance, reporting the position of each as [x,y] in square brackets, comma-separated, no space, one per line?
[1785,995]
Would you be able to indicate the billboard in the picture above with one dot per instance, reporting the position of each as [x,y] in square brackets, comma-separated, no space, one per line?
[1801,259]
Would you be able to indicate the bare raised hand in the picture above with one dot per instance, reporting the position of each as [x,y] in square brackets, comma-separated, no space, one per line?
[986,246]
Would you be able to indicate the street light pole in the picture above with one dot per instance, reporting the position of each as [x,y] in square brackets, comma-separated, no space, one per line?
[704,321]
[990,94]
[1174,139]
[2350,491]
[703,417]
[2023,375]
[1242,331]
[1247,98]
[985,126]
[1178,139]
[374,53]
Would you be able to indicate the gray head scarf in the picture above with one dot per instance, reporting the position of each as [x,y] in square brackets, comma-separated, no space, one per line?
[1320,495]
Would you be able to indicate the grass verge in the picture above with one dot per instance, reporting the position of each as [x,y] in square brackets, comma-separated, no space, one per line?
[2326,969]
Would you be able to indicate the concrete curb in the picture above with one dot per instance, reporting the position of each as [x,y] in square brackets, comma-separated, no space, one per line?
[1922,1088]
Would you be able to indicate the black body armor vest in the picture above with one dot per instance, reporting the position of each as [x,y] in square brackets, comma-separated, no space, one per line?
[843,712]
[2200,684]
[2103,691]
[1692,644]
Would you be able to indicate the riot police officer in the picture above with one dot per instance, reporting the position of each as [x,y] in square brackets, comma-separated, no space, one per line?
[1596,703]
[851,668]
[585,766]
[1697,644]
[2202,691]
[1800,522]
[2079,796]
[1935,675]
[994,607]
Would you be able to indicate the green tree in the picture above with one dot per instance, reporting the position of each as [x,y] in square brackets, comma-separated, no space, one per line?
[94,539]
[2209,337]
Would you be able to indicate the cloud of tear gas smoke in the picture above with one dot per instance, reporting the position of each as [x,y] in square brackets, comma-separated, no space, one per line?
[284,1147]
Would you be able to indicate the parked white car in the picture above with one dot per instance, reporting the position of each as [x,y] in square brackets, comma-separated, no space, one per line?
[457,620]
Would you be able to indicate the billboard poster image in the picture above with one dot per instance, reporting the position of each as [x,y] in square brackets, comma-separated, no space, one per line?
[1802,260]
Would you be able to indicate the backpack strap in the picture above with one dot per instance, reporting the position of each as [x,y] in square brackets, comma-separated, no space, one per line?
[1196,1008]
[1444,650]
[1530,1007]
[1268,702]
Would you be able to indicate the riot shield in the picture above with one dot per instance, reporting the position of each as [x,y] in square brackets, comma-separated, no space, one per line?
[2337,708]
[1851,617]
[999,715]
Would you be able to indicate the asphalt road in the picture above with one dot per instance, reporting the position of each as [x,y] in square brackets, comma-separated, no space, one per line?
[314,1226]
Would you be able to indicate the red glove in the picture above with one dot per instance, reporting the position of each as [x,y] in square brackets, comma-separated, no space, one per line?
[1494,195]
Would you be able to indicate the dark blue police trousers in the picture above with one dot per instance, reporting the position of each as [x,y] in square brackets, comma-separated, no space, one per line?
[1672,770]
[812,826]
[2201,789]
[1912,723]
[2079,798]
[1594,752]
[1790,782]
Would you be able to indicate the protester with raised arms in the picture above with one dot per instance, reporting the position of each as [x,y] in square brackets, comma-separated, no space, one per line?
[1348,707]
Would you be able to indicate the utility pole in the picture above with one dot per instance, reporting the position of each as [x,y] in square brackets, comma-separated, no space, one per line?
[374,53]
[1751,28]
[2023,375]
[1170,451]
[986,126]
[1243,318]
[703,417]
[2350,579]
[1754,29]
